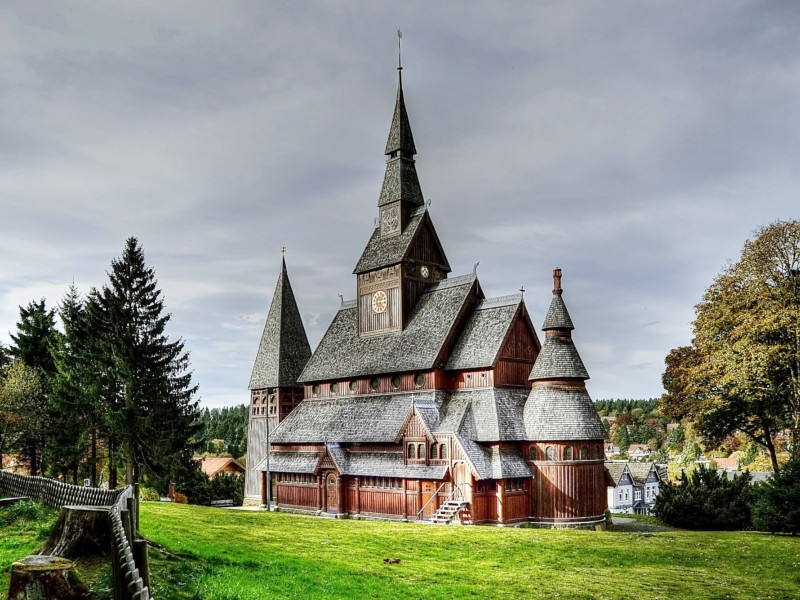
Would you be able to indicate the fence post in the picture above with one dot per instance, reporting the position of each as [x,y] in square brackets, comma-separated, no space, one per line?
[137,506]
[132,510]
[142,560]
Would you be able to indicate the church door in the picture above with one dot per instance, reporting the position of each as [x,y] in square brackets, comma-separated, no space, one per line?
[330,487]
[428,489]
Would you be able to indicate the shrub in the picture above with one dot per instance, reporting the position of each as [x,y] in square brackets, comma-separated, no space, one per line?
[706,500]
[148,494]
[777,505]
[27,511]
[181,498]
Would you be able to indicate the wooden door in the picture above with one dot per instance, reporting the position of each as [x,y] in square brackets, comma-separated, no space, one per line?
[428,489]
[331,492]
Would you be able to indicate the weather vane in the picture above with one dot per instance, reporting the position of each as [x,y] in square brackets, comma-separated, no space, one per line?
[399,62]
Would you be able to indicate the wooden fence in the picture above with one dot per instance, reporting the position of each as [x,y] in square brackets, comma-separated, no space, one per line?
[129,568]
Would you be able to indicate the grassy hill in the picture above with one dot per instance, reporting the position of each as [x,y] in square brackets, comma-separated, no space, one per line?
[218,554]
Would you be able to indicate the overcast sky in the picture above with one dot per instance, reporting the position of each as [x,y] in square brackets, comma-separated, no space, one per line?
[634,144]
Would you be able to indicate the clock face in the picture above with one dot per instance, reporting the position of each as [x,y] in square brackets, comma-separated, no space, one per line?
[423,270]
[379,301]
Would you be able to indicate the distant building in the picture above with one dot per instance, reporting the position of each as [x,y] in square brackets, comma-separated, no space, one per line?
[213,466]
[610,450]
[639,451]
[728,464]
[633,486]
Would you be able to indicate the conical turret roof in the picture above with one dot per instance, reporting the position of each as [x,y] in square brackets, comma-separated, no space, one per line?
[561,410]
[284,349]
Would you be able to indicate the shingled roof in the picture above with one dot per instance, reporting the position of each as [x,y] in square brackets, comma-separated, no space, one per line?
[382,252]
[342,353]
[559,359]
[558,413]
[482,336]
[485,414]
[400,136]
[373,418]
[557,315]
[284,348]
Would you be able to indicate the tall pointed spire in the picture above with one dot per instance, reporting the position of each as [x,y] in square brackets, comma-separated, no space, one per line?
[284,349]
[401,181]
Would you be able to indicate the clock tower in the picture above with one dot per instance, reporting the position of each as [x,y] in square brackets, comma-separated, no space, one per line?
[404,254]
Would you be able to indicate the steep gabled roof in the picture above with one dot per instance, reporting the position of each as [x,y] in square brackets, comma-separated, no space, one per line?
[484,415]
[616,470]
[284,348]
[383,252]
[342,353]
[557,315]
[482,337]
[400,136]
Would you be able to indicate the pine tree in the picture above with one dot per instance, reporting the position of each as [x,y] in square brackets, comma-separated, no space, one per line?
[33,343]
[152,415]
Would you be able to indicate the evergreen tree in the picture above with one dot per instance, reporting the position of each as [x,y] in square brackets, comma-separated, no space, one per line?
[33,343]
[69,404]
[777,506]
[22,414]
[152,415]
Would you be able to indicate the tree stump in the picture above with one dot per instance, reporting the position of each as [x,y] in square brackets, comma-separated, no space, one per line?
[80,531]
[40,577]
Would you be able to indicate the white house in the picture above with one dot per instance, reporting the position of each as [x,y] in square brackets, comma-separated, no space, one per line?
[635,489]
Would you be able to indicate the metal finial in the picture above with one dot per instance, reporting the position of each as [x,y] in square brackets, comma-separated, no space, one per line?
[283,250]
[341,299]
[475,268]
[430,201]
[399,55]
[522,290]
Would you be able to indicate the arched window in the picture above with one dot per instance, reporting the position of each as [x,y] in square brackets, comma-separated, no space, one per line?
[568,453]
[597,452]
[550,453]
[442,450]
[533,454]
[421,451]
[433,450]
[412,451]
[584,453]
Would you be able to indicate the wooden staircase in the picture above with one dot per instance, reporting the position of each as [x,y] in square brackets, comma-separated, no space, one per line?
[449,510]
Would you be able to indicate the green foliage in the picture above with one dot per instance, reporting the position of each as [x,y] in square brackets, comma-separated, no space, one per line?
[777,505]
[29,511]
[706,500]
[148,494]
[199,489]
[228,424]
[23,414]
[742,371]
[642,421]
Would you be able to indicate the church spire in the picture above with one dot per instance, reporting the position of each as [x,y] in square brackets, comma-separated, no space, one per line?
[401,181]
[284,348]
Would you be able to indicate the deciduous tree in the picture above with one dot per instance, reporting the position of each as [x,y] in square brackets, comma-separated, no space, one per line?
[742,371]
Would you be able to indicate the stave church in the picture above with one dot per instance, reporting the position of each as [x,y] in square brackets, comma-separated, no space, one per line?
[425,399]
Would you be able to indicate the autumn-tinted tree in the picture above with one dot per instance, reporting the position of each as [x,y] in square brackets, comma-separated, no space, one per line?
[742,371]
[23,415]
[152,414]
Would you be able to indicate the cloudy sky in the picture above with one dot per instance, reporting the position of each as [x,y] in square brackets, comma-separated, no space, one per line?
[634,144]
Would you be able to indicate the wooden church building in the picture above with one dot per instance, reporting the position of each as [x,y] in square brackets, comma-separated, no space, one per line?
[424,399]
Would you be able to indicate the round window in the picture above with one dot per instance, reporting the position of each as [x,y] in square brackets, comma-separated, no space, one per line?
[395,382]
[374,383]
[354,386]
[419,380]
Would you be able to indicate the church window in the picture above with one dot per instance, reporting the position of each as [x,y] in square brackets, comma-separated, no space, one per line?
[533,454]
[434,450]
[568,453]
[584,453]
[550,453]
[597,452]
[412,451]
[374,383]
[334,388]
[395,382]
[354,386]
[419,380]
[421,451]
[443,450]
[315,389]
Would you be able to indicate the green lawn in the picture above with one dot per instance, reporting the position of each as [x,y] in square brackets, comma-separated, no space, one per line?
[223,554]
[23,528]
[217,554]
